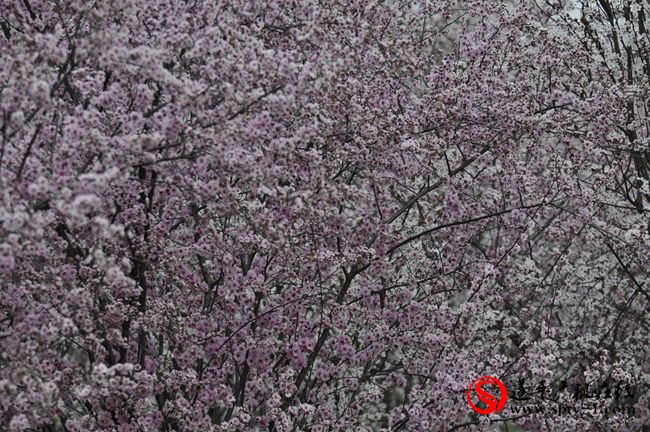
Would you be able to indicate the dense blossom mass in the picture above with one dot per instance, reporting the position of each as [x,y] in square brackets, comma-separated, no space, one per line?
[318,215]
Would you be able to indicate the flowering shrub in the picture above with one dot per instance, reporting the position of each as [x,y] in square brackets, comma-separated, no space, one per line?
[319,215]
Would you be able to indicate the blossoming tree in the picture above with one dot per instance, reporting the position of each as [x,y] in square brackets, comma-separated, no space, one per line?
[319,215]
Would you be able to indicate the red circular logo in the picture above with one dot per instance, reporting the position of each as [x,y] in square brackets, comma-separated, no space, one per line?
[493,403]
